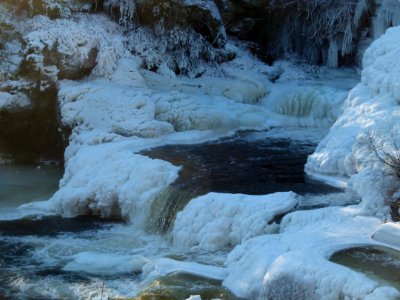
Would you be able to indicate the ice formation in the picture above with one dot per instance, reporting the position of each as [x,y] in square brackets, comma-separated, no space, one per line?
[120,109]
[388,233]
[221,221]
[75,41]
[294,262]
[372,106]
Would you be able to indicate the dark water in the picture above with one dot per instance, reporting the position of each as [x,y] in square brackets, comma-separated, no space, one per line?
[247,163]
[31,262]
[241,165]
[18,265]
[379,263]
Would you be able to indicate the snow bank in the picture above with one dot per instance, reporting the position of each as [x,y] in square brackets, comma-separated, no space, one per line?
[295,261]
[372,106]
[388,233]
[220,221]
[166,266]
[107,181]
[110,108]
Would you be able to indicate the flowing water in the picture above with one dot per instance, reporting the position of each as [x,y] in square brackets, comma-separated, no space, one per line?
[255,163]
[85,257]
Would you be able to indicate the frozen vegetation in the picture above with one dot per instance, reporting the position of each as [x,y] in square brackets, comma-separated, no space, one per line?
[122,89]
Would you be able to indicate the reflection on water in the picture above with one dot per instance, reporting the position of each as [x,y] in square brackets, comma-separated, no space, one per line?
[23,184]
[379,263]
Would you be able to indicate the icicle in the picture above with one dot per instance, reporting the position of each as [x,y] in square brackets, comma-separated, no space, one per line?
[332,59]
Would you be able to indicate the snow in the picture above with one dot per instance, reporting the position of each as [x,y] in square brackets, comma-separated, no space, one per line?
[371,107]
[388,233]
[121,109]
[295,261]
[165,266]
[113,118]
[105,263]
[13,101]
[75,39]
[108,181]
[219,221]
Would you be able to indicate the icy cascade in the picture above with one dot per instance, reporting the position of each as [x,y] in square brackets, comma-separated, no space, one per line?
[372,106]
[387,15]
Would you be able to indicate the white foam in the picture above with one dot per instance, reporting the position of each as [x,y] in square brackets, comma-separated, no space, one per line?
[105,263]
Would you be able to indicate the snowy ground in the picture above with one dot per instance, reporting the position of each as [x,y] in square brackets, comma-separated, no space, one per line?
[128,109]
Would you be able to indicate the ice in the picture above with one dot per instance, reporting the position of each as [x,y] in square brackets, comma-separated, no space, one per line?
[294,262]
[105,263]
[311,105]
[111,182]
[220,221]
[165,266]
[388,233]
[371,106]
[121,109]
[75,39]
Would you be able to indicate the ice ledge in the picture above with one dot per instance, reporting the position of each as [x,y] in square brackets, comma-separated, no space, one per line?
[388,233]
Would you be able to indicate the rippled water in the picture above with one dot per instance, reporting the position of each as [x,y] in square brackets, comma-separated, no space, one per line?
[250,162]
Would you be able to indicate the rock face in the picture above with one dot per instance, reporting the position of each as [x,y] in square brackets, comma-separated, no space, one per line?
[201,15]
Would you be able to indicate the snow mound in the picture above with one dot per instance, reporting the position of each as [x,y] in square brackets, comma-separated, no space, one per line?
[103,106]
[165,266]
[372,106]
[219,221]
[108,181]
[295,262]
[388,233]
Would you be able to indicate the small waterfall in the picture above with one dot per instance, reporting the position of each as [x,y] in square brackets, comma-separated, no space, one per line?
[165,207]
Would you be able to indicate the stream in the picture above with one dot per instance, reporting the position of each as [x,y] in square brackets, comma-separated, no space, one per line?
[87,257]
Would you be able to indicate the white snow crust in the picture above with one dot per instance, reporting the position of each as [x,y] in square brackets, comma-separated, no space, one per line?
[372,106]
[294,262]
[13,101]
[219,221]
[388,233]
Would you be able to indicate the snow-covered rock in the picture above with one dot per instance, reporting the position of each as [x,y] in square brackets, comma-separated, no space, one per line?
[294,263]
[220,221]
[108,181]
[388,233]
[371,107]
